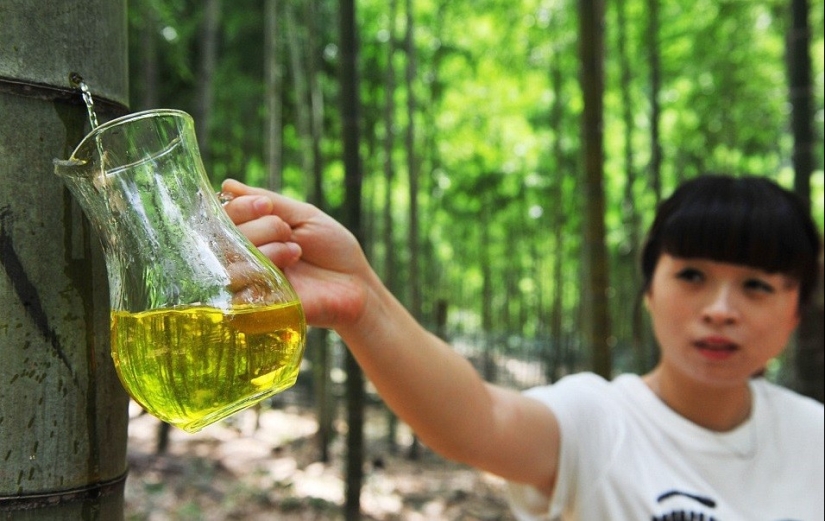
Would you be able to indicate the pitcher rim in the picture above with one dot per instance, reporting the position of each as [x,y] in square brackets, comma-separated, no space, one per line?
[72,161]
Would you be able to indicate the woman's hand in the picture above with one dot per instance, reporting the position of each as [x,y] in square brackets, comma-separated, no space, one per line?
[321,258]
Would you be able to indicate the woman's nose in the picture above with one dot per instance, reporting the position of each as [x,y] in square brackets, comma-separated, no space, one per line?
[721,308]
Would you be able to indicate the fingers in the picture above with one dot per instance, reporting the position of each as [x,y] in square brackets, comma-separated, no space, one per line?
[261,230]
[282,254]
[251,210]
[272,220]
[266,202]
[268,232]
[245,208]
[238,188]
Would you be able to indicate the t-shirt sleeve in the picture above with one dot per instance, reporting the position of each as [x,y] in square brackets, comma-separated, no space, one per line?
[590,434]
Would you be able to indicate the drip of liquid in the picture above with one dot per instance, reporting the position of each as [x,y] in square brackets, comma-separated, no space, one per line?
[77,82]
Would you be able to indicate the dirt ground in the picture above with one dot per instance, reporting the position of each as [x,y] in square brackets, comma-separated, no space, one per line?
[235,471]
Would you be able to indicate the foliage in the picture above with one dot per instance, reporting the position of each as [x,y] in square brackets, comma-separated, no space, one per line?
[499,170]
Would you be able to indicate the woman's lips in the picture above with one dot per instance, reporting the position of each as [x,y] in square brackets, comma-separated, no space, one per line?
[716,348]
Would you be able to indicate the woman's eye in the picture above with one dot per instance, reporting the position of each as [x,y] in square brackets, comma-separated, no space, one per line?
[690,275]
[759,285]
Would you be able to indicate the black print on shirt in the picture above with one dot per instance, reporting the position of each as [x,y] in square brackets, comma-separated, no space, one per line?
[685,515]
[708,502]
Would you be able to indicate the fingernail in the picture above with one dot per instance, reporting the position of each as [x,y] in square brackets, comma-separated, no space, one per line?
[262,205]
[294,249]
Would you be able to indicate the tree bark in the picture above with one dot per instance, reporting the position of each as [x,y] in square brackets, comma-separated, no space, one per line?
[655,169]
[318,341]
[414,282]
[272,96]
[390,258]
[655,109]
[148,57]
[303,114]
[63,420]
[591,20]
[810,350]
[206,73]
[351,126]
[555,354]
[316,94]
[412,164]
[630,277]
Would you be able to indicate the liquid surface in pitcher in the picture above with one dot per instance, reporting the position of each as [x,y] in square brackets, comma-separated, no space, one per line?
[185,364]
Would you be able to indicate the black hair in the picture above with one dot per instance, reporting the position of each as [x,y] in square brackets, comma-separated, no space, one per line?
[749,220]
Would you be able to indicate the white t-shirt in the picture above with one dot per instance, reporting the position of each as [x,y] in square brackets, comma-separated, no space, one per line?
[626,456]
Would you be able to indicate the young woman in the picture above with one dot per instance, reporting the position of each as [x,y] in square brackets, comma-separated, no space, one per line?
[727,265]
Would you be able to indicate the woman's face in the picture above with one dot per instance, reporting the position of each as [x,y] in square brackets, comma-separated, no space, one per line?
[719,323]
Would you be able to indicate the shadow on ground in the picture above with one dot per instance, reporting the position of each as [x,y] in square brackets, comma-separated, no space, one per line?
[237,471]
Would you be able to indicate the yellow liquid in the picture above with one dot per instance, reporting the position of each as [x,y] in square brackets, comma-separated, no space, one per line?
[192,366]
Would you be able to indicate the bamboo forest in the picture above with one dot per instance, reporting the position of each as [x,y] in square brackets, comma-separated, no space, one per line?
[498,161]
[474,166]
[474,192]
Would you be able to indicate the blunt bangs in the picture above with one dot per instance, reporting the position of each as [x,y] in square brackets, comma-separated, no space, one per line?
[749,221]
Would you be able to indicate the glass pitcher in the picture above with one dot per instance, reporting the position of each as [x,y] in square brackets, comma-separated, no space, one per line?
[202,324]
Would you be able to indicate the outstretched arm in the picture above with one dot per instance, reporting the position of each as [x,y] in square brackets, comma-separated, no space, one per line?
[432,388]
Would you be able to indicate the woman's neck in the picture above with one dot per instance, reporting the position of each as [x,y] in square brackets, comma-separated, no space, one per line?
[718,409]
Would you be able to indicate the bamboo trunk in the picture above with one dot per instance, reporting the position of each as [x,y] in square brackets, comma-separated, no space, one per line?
[810,362]
[63,416]
[591,22]
[350,103]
